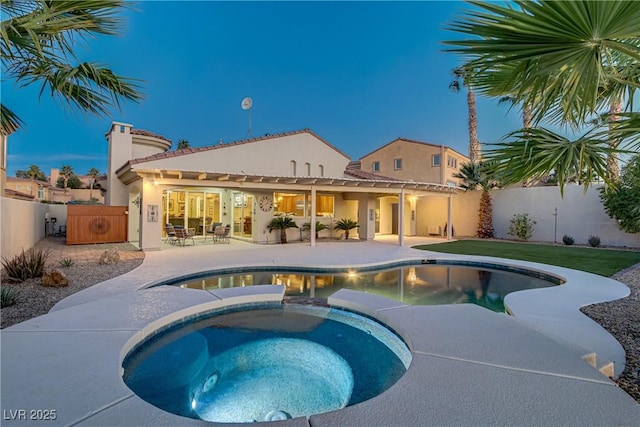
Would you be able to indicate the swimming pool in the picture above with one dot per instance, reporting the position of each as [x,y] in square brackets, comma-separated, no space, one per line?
[265,362]
[412,283]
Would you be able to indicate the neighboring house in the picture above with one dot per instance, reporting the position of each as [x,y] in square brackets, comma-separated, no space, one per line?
[14,194]
[84,179]
[36,189]
[407,159]
[246,183]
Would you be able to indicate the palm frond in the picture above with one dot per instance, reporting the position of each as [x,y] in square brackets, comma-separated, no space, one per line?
[9,121]
[90,87]
[555,56]
[535,153]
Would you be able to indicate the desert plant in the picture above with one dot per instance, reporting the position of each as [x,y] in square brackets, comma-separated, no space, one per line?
[567,240]
[282,223]
[25,265]
[8,297]
[346,224]
[319,227]
[521,226]
[67,262]
[594,241]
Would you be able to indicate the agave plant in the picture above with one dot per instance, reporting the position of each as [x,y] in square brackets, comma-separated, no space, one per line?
[346,224]
[319,227]
[281,223]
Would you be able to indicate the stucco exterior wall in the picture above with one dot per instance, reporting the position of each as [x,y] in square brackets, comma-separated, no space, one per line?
[579,215]
[265,157]
[120,143]
[22,225]
[417,162]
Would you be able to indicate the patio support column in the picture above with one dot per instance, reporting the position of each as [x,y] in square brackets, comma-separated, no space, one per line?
[449,223]
[312,229]
[401,219]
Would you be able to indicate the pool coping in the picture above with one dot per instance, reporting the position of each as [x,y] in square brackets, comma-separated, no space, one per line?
[89,340]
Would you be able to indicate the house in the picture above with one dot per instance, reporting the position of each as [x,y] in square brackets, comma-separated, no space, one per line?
[246,183]
[408,159]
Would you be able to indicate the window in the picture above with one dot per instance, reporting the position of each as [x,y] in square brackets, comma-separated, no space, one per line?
[288,204]
[375,166]
[452,162]
[40,192]
[293,168]
[121,129]
[324,205]
[397,164]
[321,168]
[307,167]
[435,160]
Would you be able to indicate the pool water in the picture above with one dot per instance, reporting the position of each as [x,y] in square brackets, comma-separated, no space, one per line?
[267,362]
[411,284]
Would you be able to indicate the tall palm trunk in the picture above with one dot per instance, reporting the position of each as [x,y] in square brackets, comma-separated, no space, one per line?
[613,169]
[475,153]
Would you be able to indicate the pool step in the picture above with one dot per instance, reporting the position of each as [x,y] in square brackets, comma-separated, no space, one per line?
[605,367]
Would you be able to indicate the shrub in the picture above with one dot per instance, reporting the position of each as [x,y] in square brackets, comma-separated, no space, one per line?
[594,241]
[346,224]
[67,262]
[25,265]
[8,297]
[521,226]
[567,240]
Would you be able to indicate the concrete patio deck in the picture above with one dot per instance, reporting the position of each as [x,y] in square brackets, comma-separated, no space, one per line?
[470,366]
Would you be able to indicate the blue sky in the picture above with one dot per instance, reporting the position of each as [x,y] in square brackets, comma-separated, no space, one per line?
[357,73]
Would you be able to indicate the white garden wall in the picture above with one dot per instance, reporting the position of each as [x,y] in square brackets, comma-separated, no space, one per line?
[579,214]
[22,225]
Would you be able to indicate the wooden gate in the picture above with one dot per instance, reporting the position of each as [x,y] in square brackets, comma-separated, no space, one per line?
[96,224]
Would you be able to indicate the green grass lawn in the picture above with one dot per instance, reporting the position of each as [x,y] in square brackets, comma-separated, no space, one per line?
[605,262]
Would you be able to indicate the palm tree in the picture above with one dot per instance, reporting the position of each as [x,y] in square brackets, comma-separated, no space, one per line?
[319,227]
[37,46]
[463,77]
[346,224]
[282,223]
[567,60]
[66,172]
[34,172]
[474,175]
[183,143]
[93,173]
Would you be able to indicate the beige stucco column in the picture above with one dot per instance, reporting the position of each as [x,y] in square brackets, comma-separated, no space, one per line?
[150,221]
[401,219]
[449,217]
[312,229]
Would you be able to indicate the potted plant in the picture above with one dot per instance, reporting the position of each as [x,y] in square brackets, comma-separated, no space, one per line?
[346,224]
[281,223]
[319,227]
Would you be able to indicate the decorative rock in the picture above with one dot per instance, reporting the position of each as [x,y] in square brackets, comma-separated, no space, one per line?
[109,257]
[54,279]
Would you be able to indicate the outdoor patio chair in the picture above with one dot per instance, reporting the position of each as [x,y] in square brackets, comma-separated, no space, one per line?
[212,231]
[222,234]
[171,233]
[182,234]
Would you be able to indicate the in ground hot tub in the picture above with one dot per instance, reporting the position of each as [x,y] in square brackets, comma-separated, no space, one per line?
[265,363]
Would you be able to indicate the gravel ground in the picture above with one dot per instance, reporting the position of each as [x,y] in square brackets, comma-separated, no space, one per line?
[621,318]
[35,300]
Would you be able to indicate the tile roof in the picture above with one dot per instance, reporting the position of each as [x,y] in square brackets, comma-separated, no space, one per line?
[191,150]
[147,133]
[357,173]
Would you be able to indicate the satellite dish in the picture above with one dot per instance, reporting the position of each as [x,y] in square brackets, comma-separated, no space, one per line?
[246,103]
